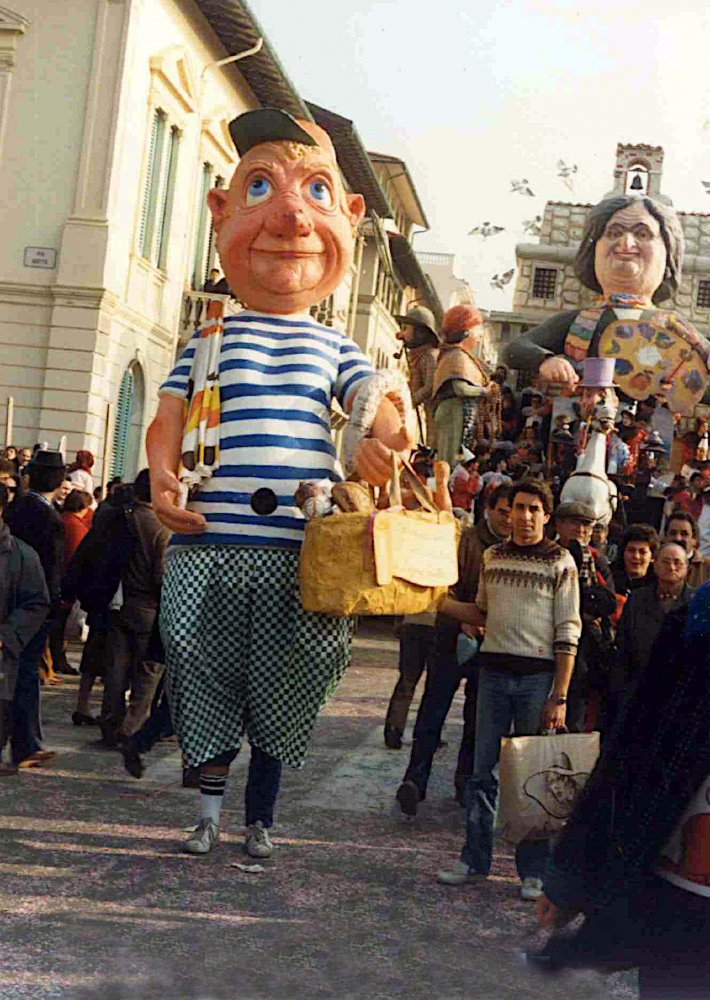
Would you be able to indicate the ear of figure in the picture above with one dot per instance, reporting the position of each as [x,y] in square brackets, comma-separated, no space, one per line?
[217,204]
[356,207]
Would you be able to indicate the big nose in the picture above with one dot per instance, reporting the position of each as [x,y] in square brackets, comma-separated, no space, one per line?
[288,217]
[627,241]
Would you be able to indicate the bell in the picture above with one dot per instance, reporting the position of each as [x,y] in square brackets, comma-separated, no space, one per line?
[637,183]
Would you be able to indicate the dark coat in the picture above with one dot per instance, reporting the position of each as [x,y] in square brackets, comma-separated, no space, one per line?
[639,625]
[24,603]
[35,521]
[143,576]
[624,585]
[651,766]
[99,562]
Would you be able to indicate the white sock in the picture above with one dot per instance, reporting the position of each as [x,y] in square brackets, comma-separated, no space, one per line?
[211,795]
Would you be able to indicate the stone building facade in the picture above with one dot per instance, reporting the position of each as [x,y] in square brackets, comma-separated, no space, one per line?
[114,124]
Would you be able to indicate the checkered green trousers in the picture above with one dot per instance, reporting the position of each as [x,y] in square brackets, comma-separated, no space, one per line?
[242,655]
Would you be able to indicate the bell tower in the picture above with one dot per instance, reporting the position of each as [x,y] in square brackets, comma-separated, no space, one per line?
[638,170]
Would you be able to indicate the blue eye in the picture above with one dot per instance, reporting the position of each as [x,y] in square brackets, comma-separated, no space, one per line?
[320,192]
[259,190]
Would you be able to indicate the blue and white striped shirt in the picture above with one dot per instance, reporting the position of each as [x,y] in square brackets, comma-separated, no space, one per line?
[278,376]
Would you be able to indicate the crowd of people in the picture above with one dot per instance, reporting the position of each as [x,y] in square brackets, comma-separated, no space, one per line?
[642,450]
[554,622]
[551,624]
[84,567]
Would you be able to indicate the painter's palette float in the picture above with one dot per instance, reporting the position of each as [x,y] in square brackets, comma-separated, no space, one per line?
[658,353]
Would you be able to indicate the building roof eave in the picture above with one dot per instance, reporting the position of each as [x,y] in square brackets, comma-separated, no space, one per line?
[237,29]
[395,161]
[410,270]
[352,158]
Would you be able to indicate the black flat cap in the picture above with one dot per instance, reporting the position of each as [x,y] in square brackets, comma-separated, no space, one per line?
[266,125]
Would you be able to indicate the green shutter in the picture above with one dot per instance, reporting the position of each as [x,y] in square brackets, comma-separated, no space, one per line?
[124,412]
[149,174]
[153,179]
[198,264]
[166,201]
[211,256]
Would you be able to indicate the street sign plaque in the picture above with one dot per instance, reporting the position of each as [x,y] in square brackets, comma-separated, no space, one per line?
[40,257]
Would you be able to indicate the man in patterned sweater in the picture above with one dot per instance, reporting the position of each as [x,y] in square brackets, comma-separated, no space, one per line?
[528,602]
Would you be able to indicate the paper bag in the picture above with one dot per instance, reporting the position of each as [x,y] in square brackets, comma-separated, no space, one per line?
[540,780]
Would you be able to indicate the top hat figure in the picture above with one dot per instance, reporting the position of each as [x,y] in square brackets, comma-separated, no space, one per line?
[598,373]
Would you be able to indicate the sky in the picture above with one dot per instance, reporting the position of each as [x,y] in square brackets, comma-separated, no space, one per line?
[473,95]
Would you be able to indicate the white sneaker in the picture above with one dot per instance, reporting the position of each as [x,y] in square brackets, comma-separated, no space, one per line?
[257,842]
[459,874]
[203,837]
[531,889]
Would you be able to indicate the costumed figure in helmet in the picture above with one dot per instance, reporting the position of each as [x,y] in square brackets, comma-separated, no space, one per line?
[421,342]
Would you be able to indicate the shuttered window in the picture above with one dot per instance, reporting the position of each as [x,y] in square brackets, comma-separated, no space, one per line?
[211,256]
[202,252]
[152,184]
[124,412]
[166,203]
[157,209]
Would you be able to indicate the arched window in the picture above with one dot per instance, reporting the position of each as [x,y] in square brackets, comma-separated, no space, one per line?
[128,426]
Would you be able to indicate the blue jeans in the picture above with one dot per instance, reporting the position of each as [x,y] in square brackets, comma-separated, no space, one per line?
[504,700]
[24,726]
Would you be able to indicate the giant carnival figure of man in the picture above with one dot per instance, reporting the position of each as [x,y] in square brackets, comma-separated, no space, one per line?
[243,417]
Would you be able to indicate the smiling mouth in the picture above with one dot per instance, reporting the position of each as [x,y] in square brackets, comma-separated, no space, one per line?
[290,254]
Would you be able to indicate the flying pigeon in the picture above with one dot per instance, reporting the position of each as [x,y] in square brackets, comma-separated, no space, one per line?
[533,226]
[566,172]
[706,186]
[521,187]
[486,229]
[499,281]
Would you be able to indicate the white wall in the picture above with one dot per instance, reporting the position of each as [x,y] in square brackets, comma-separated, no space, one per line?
[72,171]
[47,82]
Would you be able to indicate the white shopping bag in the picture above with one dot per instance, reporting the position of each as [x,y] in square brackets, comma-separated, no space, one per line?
[540,779]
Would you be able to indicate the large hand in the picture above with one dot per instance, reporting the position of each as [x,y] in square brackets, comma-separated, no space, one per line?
[389,426]
[559,371]
[165,490]
[373,462]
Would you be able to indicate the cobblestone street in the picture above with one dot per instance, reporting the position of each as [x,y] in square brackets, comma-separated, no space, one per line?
[98,901]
